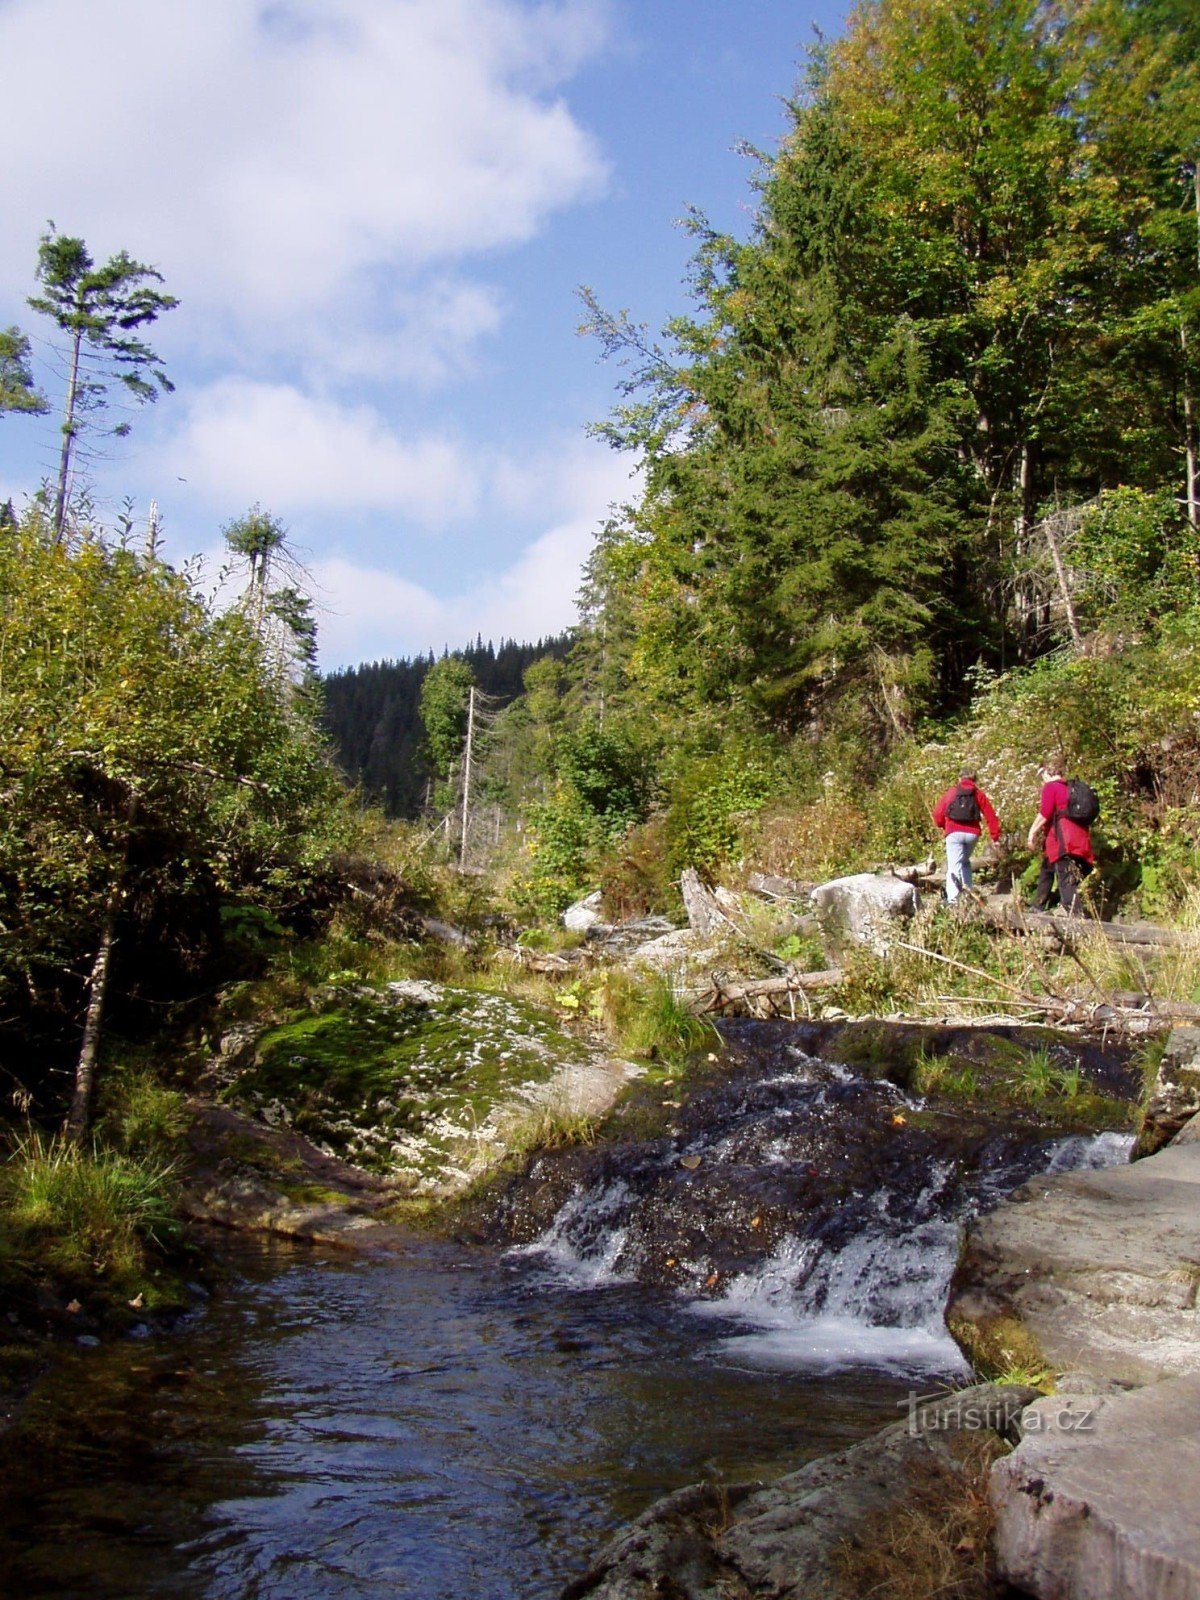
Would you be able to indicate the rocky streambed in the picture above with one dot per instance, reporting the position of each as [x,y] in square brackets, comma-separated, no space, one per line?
[743,1270]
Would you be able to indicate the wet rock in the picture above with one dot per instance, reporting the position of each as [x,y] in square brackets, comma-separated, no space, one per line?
[788,1541]
[584,914]
[1175,1096]
[1091,1271]
[768,1153]
[407,1079]
[863,909]
[1100,1497]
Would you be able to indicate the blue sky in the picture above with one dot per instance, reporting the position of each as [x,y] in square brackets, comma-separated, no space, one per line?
[376,214]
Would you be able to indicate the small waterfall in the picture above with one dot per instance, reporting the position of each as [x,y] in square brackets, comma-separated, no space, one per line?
[857,1271]
[586,1239]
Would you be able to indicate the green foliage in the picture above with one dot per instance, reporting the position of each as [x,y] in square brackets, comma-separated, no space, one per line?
[606,769]
[148,752]
[564,842]
[141,1116]
[84,1213]
[971,293]
[1142,557]
[444,695]
[603,786]
[713,801]
[17,389]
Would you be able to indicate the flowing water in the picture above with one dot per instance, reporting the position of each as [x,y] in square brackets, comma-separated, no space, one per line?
[459,1421]
[434,1426]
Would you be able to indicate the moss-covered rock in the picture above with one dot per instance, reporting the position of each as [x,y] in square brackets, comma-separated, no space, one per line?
[406,1079]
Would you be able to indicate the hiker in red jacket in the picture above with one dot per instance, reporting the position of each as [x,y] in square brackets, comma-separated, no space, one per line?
[959,812]
[1067,852]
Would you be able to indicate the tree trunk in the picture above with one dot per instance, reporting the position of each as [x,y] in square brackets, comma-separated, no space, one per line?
[1024,596]
[80,1115]
[1189,433]
[466,801]
[1189,404]
[68,440]
[1064,587]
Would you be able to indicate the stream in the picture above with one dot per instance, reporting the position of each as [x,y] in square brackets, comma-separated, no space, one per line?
[473,1420]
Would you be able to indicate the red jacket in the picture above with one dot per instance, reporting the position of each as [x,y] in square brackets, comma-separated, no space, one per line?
[985,806]
[1063,837]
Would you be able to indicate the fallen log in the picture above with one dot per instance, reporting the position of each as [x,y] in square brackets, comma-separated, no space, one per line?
[719,995]
[1168,1010]
[1015,919]
[772,887]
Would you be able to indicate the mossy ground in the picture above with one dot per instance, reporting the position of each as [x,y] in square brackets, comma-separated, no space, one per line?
[403,1079]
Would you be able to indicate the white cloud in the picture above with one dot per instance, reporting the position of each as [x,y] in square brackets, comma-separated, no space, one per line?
[275,159]
[243,441]
[368,613]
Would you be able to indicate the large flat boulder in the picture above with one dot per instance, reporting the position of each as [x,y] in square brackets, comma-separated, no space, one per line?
[865,908]
[1101,1500]
[1093,1271]
[1175,1094]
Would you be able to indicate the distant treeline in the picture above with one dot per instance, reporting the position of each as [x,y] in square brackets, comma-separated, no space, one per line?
[373,715]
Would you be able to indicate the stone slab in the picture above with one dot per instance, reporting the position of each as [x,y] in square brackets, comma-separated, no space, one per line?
[863,908]
[1101,1500]
[1100,1267]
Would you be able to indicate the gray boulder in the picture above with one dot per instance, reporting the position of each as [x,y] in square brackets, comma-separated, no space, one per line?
[1102,1497]
[584,914]
[863,909]
[1175,1095]
[1091,1271]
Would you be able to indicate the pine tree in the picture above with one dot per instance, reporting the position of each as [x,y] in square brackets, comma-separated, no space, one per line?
[96,309]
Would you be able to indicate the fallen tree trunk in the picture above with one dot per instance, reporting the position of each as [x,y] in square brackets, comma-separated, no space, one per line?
[1015,919]
[720,996]
[772,887]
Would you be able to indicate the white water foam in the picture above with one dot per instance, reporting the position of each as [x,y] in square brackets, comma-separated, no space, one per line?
[583,1244]
[876,1302]
[1082,1152]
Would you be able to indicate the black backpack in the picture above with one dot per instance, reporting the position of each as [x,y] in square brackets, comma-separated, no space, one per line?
[964,807]
[1083,803]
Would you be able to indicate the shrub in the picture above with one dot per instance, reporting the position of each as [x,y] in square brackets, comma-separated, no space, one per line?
[713,799]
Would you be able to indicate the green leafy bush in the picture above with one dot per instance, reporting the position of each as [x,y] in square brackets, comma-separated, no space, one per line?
[713,800]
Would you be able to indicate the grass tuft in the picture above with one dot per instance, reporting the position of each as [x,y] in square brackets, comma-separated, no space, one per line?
[650,1021]
[140,1115]
[938,1542]
[83,1212]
